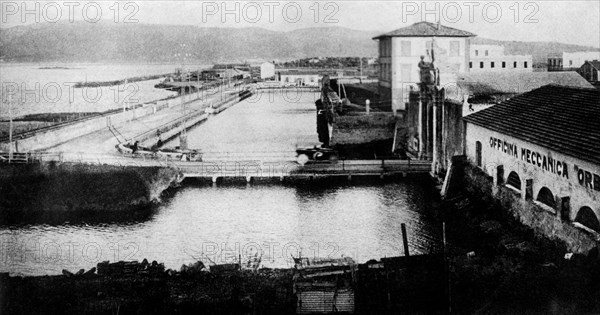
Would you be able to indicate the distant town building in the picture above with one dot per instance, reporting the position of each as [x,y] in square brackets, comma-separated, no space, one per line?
[571,61]
[298,77]
[399,56]
[543,145]
[492,58]
[478,91]
[590,71]
[224,73]
[267,70]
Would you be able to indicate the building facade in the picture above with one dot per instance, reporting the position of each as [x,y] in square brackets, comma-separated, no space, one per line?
[299,78]
[543,146]
[491,58]
[571,61]
[400,52]
[267,70]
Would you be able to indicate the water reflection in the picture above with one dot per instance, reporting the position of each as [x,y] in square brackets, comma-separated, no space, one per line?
[312,218]
[17,219]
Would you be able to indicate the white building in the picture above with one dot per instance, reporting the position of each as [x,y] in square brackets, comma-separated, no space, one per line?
[543,146]
[571,61]
[299,78]
[399,56]
[492,58]
[267,70]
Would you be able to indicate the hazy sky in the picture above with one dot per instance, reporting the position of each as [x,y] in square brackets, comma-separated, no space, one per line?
[573,22]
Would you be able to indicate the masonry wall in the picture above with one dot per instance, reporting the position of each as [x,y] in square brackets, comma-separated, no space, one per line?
[579,188]
[362,128]
[480,184]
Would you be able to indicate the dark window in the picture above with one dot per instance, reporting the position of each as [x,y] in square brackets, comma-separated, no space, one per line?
[478,153]
[503,64]
[546,197]
[565,208]
[492,64]
[587,217]
[500,174]
[470,64]
[476,52]
[525,64]
[515,64]
[486,52]
[514,180]
[481,65]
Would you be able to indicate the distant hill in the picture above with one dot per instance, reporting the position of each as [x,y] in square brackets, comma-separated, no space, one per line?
[144,43]
[150,43]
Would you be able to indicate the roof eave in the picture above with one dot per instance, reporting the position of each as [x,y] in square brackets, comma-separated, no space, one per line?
[385,35]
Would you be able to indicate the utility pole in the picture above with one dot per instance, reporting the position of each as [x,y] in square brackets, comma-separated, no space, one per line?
[361,73]
[10,129]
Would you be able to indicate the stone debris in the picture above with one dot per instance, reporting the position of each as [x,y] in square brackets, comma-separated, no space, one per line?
[130,268]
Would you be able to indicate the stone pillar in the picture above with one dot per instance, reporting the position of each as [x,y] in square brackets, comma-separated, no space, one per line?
[420,128]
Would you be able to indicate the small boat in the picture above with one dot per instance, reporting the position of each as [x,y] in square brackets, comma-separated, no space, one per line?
[305,263]
[169,154]
[129,149]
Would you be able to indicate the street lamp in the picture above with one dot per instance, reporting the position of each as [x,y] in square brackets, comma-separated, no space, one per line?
[10,129]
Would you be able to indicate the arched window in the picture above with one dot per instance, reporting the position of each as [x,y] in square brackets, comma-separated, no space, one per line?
[514,180]
[546,197]
[587,217]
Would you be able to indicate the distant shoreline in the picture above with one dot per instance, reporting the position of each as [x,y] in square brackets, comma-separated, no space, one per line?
[122,81]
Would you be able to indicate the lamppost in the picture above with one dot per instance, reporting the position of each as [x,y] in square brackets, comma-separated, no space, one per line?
[10,129]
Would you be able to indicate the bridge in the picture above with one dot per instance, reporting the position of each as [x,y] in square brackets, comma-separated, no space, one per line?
[241,165]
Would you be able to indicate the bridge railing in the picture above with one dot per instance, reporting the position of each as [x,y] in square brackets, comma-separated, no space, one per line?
[235,164]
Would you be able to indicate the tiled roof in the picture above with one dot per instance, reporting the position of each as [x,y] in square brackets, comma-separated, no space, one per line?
[496,83]
[426,29]
[562,119]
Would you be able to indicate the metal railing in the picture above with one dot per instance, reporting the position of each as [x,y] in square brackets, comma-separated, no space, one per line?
[265,163]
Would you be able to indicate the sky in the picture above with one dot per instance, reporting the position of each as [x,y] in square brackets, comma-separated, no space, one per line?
[572,22]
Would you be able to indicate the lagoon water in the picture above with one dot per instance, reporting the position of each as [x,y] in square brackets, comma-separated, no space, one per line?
[218,224]
[48,88]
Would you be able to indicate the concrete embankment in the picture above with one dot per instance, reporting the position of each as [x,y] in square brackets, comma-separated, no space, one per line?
[52,137]
[68,187]
[502,262]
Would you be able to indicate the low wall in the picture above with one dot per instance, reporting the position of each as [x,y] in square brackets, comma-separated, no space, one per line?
[50,138]
[363,128]
[543,223]
[69,187]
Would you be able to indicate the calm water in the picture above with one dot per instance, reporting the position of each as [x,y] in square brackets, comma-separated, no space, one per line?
[50,90]
[219,223]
